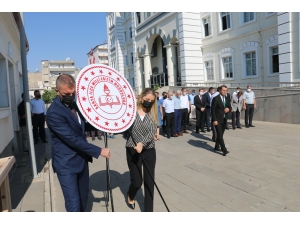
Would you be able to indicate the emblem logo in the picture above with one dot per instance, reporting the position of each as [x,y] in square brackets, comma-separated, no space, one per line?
[105,98]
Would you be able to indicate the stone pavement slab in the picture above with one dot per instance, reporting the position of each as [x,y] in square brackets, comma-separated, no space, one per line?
[260,174]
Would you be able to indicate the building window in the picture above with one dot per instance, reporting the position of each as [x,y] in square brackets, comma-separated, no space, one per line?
[154,49]
[225,20]
[131,56]
[146,15]
[250,58]
[138,17]
[3,84]
[248,16]
[227,65]
[126,60]
[275,60]
[125,36]
[209,66]
[133,83]
[206,25]
[130,32]
[53,82]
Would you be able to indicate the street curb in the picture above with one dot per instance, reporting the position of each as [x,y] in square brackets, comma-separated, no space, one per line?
[48,202]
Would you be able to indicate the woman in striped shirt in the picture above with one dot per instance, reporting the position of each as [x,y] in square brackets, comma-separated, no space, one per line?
[141,141]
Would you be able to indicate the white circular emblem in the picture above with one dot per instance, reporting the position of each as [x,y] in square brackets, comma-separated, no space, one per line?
[105,98]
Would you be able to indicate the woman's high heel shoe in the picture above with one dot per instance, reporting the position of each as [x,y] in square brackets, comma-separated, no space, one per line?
[132,206]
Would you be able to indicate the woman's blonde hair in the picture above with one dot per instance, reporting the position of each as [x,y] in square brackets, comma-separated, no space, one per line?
[153,110]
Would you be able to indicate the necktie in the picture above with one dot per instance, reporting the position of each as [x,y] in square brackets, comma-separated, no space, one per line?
[73,111]
[224,103]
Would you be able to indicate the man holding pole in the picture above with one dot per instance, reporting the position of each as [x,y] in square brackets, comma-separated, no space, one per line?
[70,150]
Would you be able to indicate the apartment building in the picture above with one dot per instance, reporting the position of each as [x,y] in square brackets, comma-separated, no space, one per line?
[98,54]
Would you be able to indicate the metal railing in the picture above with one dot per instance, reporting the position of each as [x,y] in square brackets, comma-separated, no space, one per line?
[292,85]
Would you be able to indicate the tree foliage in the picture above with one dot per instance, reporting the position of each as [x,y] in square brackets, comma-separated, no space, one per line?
[48,96]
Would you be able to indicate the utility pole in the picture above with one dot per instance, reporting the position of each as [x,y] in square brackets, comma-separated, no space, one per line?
[26,96]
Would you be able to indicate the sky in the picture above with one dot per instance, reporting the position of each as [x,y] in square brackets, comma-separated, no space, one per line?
[57,36]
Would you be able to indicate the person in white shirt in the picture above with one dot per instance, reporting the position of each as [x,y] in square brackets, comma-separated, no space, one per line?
[38,112]
[185,107]
[168,106]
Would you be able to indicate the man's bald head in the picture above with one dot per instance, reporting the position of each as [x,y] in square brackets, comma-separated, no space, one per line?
[65,79]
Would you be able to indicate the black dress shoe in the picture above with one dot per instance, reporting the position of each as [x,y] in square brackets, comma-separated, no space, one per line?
[233,128]
[208,130]
[203,131]
[168,136]
[247,126]
[224,153]
[239,127]
[99,138]
[251,125]
[197,131]
[93,139]
[227,128]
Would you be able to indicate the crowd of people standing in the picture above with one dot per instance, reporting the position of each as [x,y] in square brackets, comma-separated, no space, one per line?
[175,108]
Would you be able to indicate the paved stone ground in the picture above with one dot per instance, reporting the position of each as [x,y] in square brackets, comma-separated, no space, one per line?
[27,194]
[261,173]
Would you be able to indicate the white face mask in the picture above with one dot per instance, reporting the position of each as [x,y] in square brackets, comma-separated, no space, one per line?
[201,93]
[184,93]
[248,89]
[237,91]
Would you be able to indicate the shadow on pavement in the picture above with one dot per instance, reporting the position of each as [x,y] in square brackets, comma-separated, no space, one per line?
[22,176]
[122,181]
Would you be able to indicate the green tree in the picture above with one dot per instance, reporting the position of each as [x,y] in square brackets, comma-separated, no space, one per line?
[48,96]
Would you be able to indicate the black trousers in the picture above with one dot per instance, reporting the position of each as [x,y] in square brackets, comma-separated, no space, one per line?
[249,114]
[170,119]
[38,123]
[207,117]
[135,163]
[185,114]
[220,129]
[236,119]
[200,119]
[214,132]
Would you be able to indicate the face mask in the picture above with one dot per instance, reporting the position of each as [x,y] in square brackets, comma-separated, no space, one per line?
[237,91]
[68,100]
[193,93]
[184,93]
[248,89]
[201,93]
[165,97]
[147,104]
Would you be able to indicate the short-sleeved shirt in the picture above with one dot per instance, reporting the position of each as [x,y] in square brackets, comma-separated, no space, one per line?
[191,98]
[169,105]
[249,97]
[177,102]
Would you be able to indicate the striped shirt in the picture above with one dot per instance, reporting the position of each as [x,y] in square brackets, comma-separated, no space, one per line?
[142,131]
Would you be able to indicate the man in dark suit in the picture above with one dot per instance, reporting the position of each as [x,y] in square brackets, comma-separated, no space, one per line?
[200,104]
[228,96]
[70,150]
[219,109]
[207,109]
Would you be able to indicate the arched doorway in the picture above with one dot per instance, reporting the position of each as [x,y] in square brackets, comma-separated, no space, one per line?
[159,75]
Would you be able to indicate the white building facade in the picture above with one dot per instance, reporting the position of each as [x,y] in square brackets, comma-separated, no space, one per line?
[98,54]
[11,85]
[204,48]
